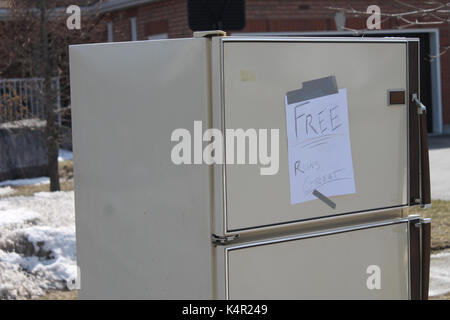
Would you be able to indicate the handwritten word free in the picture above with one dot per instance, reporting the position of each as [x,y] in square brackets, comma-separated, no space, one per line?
[322,121]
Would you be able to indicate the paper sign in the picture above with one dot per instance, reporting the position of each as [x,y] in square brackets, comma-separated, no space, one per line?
[319,151]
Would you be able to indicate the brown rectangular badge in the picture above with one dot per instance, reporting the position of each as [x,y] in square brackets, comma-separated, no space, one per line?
[396,97]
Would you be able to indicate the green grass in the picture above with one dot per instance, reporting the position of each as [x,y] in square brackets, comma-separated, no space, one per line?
[66,182]
[30,190]
[440,223]
[443,297]
[59,295]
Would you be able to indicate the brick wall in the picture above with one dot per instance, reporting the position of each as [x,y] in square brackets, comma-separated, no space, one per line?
[170,16]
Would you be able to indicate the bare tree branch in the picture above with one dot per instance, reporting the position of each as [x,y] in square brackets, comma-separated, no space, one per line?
[35,43]
[413,15]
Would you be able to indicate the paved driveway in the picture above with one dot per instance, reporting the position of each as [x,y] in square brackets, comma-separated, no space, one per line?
[440,167]
[440,189]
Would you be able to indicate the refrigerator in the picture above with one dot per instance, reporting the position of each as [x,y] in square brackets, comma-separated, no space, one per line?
[154,222]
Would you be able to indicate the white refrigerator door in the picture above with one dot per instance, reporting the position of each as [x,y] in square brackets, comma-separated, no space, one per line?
[367,263]
[256,75]
[142,222]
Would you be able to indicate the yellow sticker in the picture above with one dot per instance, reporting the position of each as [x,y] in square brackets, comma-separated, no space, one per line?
[247,75]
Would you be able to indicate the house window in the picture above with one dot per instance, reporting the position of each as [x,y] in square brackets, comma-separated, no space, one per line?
[158,36]
[154,30]
[134,36]
[110,32]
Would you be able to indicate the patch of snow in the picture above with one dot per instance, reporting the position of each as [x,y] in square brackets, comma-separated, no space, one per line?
[61,243]
[25,182]
[52,263]
[65,155]
[16,216]
[26,123]
[6,190]
[43,194]
[16,283]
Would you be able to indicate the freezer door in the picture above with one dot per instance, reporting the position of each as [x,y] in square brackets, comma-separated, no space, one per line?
[367,263]
[142,222]
[256,75]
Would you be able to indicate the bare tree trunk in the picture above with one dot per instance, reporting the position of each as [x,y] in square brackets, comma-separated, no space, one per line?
[51,130]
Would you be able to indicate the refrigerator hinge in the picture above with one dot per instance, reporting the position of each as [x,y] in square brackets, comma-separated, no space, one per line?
[223,239]
[209,34]
[421,107]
